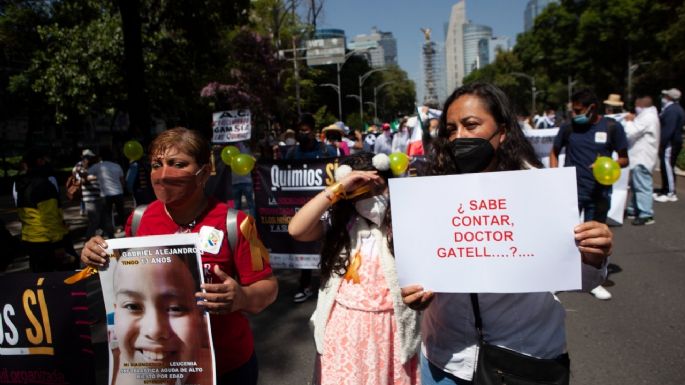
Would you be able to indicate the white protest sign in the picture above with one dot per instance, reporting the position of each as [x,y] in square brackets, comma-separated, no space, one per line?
[542,141]
[231,126]
[495,232]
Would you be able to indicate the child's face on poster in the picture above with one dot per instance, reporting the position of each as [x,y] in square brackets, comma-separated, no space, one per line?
[156,319]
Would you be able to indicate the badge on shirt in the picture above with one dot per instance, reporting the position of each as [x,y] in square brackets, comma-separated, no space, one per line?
[210,239]
[600,137]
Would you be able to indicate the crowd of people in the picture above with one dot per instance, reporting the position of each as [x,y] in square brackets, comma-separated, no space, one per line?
[367,329]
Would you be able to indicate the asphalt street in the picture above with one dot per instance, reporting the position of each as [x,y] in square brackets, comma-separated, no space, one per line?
[635,338]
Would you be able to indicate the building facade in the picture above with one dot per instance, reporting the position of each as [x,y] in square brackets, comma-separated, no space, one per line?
[454,47]
[380,46]
[533,9]
[476,47]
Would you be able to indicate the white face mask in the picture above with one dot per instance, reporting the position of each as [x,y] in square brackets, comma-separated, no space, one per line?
[638,110]
[290,142]
[372,208]
[664,101]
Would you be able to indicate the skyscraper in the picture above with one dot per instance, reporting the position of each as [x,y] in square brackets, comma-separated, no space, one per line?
[498,43]
[476,47]
[454,47]
[533,9]
[381,47]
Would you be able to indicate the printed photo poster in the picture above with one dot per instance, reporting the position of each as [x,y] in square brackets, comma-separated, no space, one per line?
[489,232]
[231,126]
[157,334]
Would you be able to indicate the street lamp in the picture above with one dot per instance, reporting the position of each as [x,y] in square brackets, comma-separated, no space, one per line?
[338,67]
[337,89]
[375,89]
[571,83]
[534,91]
[632,68]
[362,79]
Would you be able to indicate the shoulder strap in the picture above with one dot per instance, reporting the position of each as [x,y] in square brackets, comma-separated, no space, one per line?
[137,216]
[232,229]
[476,315]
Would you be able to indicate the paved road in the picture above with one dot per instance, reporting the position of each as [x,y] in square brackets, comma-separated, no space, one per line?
[635,338]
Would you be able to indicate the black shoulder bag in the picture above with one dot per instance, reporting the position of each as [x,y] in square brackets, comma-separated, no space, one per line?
[500,366]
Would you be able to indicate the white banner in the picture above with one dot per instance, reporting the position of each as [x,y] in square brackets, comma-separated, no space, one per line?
[231,126]
[492,232]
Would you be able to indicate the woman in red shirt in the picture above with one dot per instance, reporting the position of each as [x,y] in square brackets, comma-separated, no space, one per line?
[236,281]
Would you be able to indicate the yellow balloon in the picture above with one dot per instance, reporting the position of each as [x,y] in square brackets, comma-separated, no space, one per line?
[606,170]
[227,154]
[133,150]
[242,164]
[399,162]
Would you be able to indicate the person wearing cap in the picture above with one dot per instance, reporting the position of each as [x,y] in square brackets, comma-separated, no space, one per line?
[383,143]
[78,169]
[586,137]
[333,135]
[91,195]
[672,118]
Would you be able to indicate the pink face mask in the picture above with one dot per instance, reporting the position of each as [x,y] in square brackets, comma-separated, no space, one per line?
[173,185]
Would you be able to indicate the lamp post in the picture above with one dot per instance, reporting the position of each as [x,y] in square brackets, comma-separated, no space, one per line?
[337,89]
[362,79]
[571,83]
[534,91]
[338,67]
[375,89]
[632,67]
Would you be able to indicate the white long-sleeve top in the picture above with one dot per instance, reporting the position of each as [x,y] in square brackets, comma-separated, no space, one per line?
[643,138]
[529,323]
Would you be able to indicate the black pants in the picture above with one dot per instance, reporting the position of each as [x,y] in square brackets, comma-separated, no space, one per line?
[116,201]
[51,256]
[668,155]
[243,375]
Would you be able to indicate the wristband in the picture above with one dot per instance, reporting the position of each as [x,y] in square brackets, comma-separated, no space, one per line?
[335,193]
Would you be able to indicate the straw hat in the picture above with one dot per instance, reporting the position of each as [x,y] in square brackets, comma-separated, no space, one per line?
[614,100]
[332,127]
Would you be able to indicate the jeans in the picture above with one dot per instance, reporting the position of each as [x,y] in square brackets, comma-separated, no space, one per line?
[95,211]
[432,375]
[641,202]
[595,205]
[243,189]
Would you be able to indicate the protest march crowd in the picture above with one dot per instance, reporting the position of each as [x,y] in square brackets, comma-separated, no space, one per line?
[367,328]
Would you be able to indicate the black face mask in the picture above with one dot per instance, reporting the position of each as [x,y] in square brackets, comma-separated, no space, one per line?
[471,154]
[304,139]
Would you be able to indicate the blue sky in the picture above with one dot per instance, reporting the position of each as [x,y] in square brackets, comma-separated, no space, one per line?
[404,18]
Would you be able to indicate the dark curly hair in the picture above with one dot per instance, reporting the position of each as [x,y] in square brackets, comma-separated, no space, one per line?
[335,251]
[514,151]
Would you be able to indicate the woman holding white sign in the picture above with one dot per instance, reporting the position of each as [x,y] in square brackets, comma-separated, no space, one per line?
[479,133]
[364,334]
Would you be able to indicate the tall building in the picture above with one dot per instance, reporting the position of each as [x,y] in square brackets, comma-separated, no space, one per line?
[454,47]
[533,9]
[498,43]
[380,46]
[476,47]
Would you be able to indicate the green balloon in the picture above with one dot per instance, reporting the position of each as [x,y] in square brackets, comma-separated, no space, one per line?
[399,162]
[227,154]
[133,150]
[242,164]
[606,170]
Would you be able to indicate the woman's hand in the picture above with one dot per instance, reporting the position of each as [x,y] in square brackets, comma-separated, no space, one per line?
[594,241]
[93,253]
[357,179]
[221,298]
[415,298]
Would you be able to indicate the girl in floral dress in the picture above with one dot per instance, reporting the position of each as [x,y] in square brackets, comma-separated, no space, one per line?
[364,333]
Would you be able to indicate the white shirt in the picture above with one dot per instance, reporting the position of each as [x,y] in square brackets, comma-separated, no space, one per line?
[109,176]
[383,144]
[643,138]
[400,141]
[529,323]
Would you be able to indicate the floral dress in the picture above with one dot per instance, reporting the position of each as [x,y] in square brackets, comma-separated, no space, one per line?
[361,343]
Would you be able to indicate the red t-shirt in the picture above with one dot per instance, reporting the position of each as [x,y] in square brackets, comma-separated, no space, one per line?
[231,334]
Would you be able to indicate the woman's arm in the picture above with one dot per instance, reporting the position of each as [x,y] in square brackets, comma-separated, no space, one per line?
[306,224]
